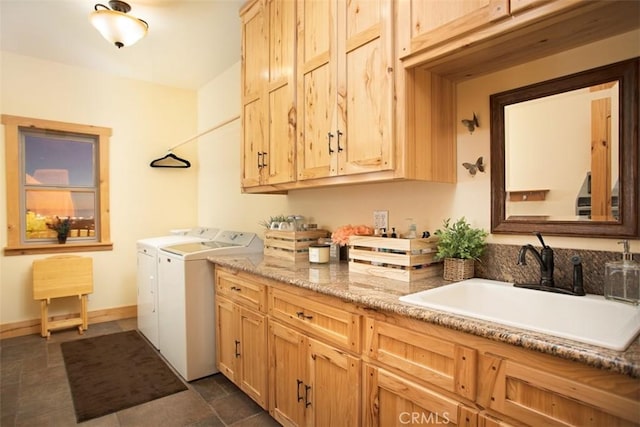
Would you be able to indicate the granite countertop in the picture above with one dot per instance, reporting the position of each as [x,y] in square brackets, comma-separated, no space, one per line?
[379,293]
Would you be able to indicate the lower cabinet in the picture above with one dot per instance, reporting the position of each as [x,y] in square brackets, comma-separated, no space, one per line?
[439,362]
[529,391]
[242,348]
[241,333]
[315,360]
[311,383]
[392,400]
[422,373]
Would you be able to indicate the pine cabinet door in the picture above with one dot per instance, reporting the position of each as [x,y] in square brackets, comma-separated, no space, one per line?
[227,343]
[332,395]
[365,87]
[278,153]
[253,355]
[286,375]
[317,74]
[254,67]
[253,134]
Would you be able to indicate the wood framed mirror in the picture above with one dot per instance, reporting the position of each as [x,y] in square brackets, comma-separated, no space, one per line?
[565,155]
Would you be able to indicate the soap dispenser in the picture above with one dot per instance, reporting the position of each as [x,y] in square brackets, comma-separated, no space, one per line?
[622,278]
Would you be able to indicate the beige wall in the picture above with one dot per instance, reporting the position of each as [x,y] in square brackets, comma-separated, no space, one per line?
[145,119]
[220,203]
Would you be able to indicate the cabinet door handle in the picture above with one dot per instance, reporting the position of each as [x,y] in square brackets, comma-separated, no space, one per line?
[298,390]
[237,352]
[259,159]
[329,136]
[264,158]
[339,147]
[306,396]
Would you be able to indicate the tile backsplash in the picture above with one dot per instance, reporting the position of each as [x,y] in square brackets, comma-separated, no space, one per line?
[499,262]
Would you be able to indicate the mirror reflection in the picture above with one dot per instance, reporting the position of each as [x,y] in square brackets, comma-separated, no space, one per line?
[565,155]
[561,166]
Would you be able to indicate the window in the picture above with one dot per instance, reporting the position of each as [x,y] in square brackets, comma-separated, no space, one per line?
[56,171]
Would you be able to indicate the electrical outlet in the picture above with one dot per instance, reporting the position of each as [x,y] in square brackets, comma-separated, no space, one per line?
[381,220]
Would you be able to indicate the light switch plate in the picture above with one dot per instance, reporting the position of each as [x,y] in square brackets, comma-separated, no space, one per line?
[381,220]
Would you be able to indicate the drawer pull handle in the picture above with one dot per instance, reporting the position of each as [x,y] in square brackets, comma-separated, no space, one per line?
[303,316]
[298,390]
[306,396]
[233,288]
[236,351]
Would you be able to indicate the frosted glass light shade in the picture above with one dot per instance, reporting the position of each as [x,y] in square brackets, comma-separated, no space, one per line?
[117,27]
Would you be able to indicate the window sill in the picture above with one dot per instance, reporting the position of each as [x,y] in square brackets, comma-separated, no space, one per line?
[58,248]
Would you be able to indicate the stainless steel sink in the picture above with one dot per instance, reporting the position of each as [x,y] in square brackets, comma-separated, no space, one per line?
[590,319]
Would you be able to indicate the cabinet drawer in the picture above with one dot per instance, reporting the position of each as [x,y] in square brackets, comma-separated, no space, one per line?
[547,398]
[445,364]
[241,290]
[321,320]
[392,400]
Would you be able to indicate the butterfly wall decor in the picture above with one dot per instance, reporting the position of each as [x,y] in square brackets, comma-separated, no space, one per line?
[474,167]
[471,124]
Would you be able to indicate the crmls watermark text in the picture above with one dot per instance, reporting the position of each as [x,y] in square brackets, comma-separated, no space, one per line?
[412,418]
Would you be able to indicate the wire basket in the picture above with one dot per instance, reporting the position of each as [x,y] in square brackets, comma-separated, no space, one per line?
[456,269]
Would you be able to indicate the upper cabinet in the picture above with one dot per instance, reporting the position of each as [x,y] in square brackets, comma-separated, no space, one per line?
[469,38]
[427,23]
[345,88]
[268,93]
[343,92]
[350,120]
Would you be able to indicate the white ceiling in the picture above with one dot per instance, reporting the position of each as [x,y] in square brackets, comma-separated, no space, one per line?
[189,42]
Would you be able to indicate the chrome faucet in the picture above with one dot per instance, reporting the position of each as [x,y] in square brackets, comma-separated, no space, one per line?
[544,258]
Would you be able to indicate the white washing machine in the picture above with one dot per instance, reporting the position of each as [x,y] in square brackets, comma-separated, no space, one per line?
[147,275]
[186,300]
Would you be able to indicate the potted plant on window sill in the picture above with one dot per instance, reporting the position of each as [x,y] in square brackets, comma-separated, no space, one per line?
[61,227]
[460,245]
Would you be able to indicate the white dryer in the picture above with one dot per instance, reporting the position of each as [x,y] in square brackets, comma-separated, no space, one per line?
[186,300]
[147,275]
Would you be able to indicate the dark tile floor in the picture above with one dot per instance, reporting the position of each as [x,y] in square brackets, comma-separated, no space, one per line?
[35,391]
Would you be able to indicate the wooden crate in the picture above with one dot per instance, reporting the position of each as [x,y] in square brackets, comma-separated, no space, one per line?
[291,245]
[400,259]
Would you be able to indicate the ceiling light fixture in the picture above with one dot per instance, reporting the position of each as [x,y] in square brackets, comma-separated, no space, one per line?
[116,26]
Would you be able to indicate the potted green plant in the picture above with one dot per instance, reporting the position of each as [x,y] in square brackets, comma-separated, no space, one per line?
[459,245]
[268,223]
[61,227]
